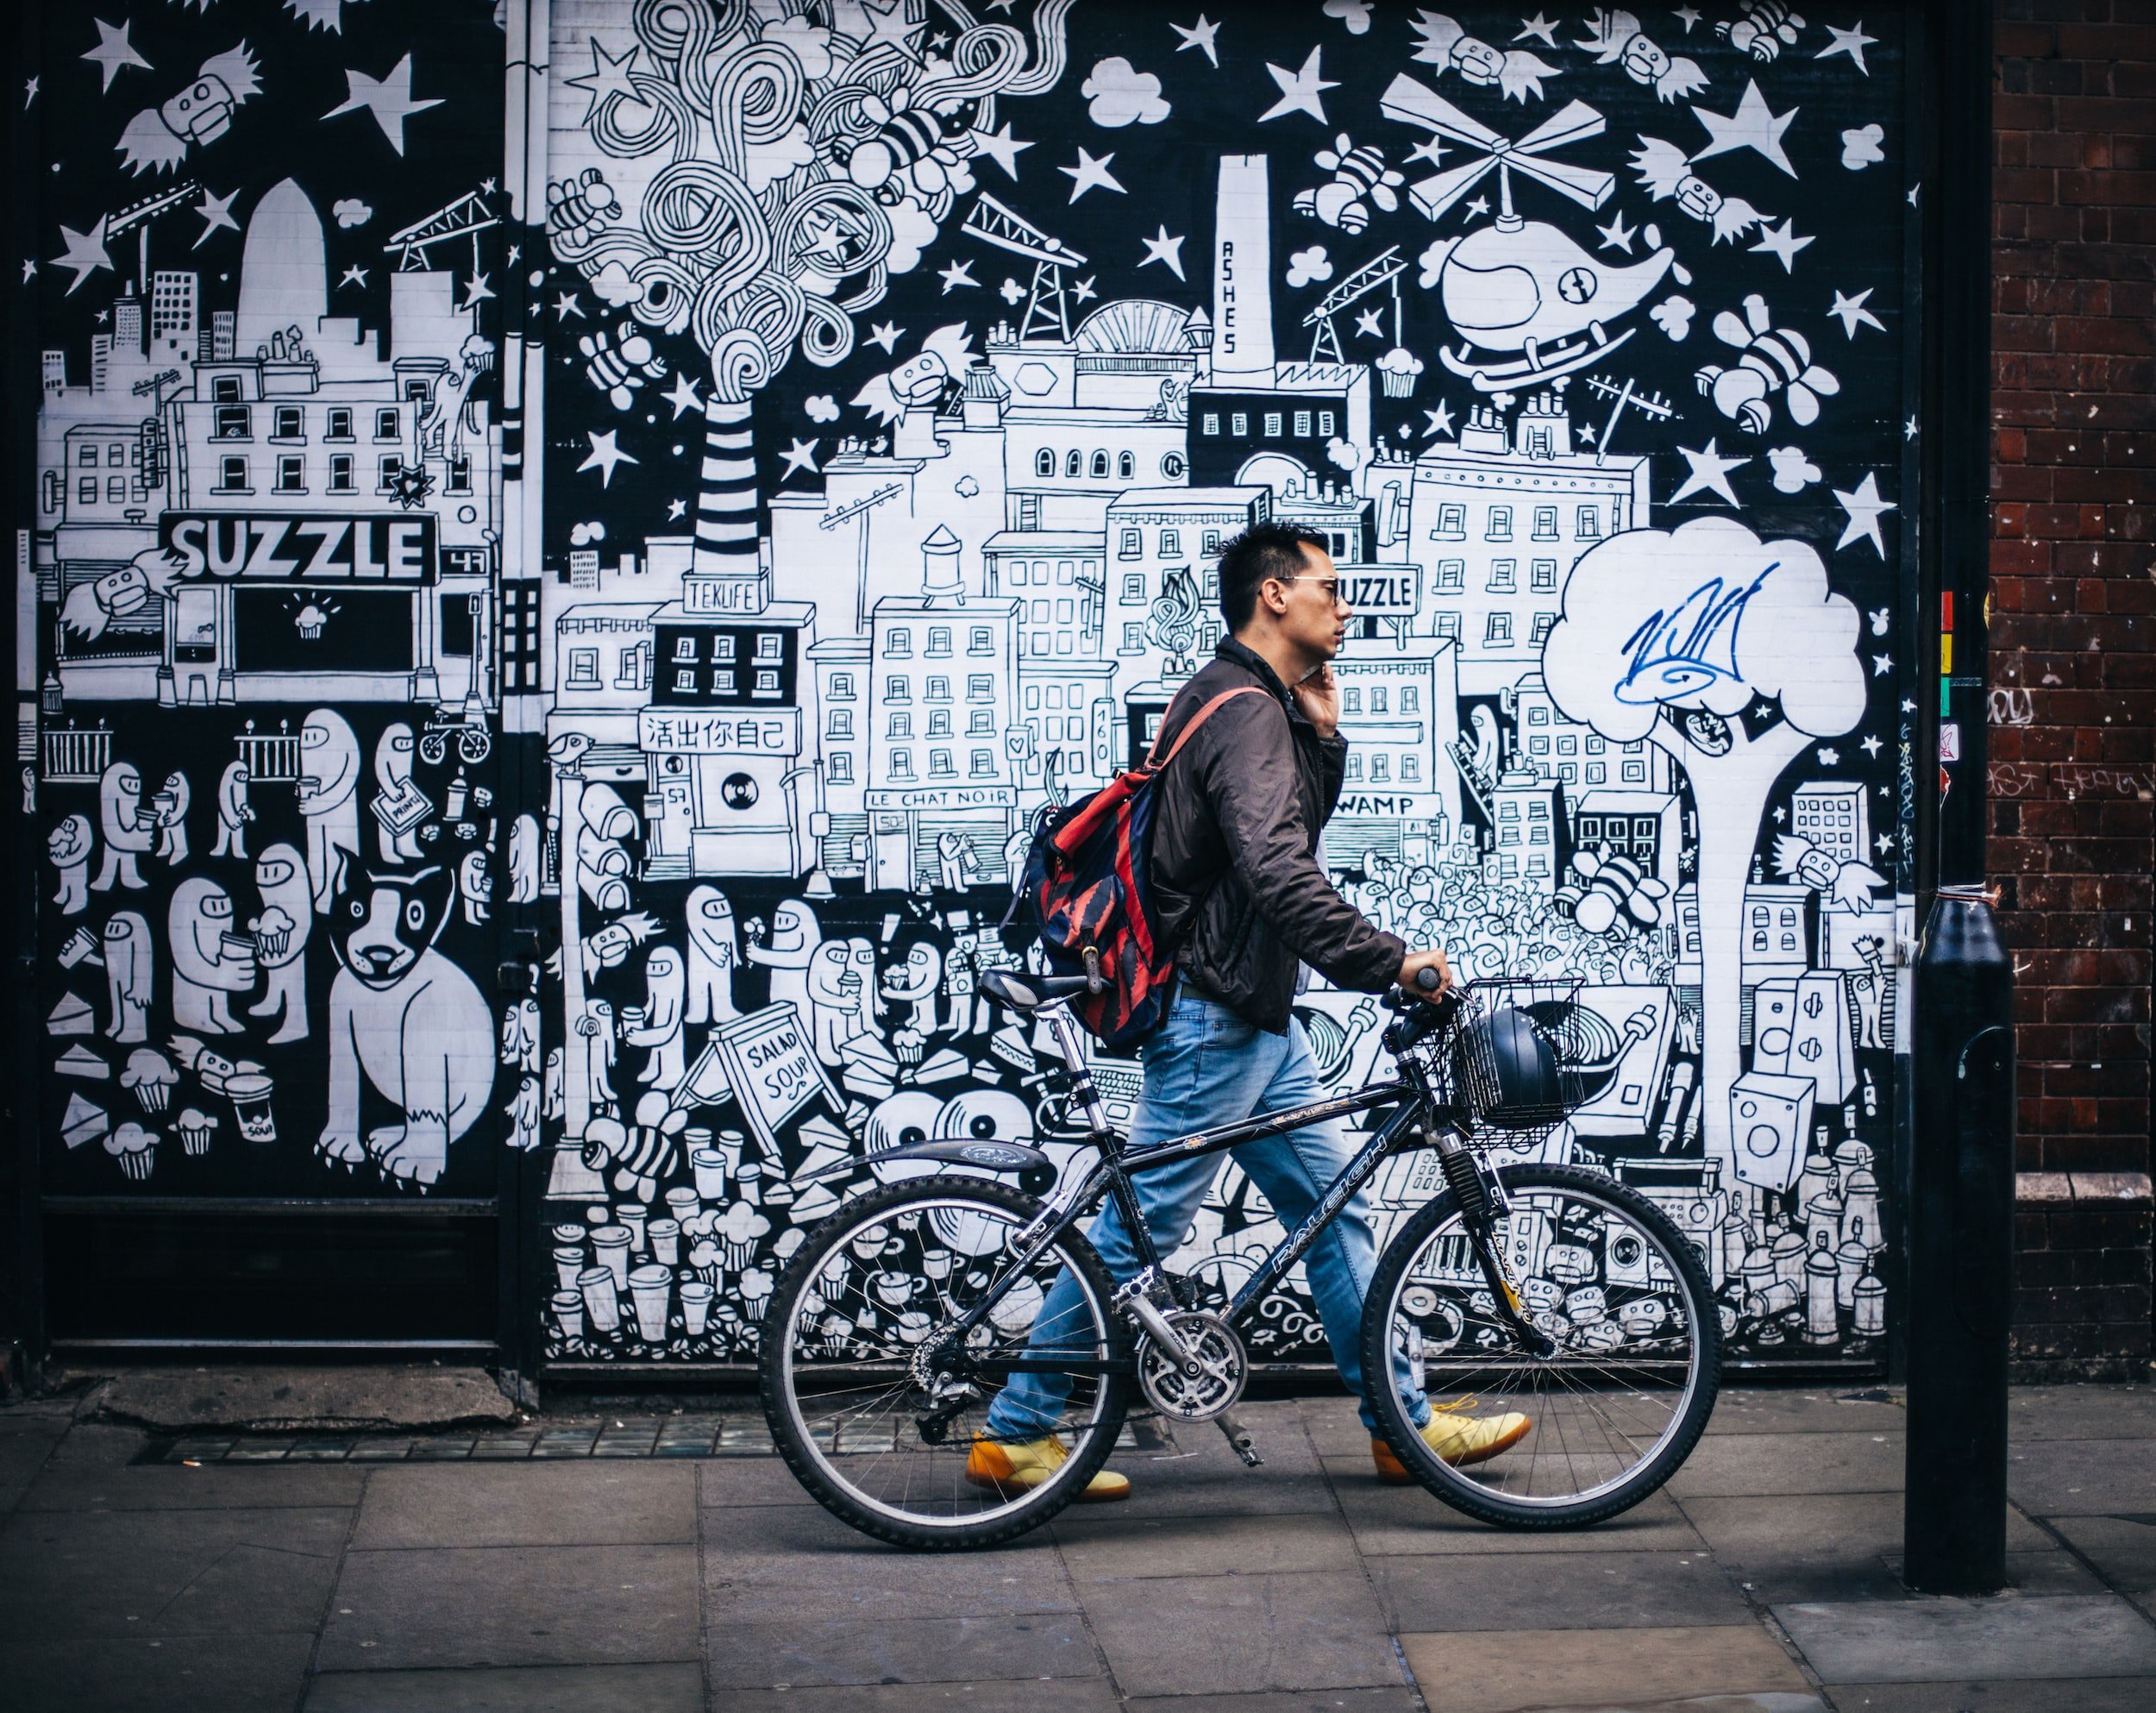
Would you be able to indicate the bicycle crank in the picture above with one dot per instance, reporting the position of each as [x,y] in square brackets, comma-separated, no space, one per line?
[1206,1379]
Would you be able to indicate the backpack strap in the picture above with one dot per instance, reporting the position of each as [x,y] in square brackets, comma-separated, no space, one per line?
[1190,726]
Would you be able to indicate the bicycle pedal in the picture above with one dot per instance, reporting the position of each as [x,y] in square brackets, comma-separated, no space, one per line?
[1238,1437]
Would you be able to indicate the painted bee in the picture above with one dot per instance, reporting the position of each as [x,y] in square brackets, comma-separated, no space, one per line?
[1356,173]
[922,148]
[640,1154]
[1766,28]
[618,366]
[579,210]
[1770,360]
[1607,893]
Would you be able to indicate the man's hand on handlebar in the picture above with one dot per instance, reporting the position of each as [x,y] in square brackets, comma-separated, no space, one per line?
[1426,975]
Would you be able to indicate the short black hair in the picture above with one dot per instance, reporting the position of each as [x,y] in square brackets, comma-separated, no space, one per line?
[1263,550]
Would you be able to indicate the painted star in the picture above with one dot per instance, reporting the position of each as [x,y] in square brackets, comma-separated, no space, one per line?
[801,459]
[476,292]
[1864,508]
[1710,472]
[354,275]
[677,510]
[1617,235]
[390,100]
[1200,36]
[1689,16]
[1908,429]
[487,186]
[1001,5]
[1586,432]
[1001,147]
[958,274]
[1084,291]
[30,270]
[1479,206]
[1780,816]
[1885,840]
[605,456]
[1540,28]
[1301,92]
[608,77]
[566,305]
[1907,706]
[1090,173]
[1783,242]
[1369,322]
[1441,419]
[85,253]
[1882,665]
[682,395]
[29,94]
[1430,149]
[1913,188]
[1871,746]
[1850,41]
[1853,314]
[215,212]
[1165,250]
[1752,126]
[113,51]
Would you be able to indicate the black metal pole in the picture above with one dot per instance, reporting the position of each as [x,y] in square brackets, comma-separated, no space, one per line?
[1960,1180]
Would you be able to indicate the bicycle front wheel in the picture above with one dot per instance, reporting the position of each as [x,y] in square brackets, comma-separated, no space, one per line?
[875,1397]
[1610,1413]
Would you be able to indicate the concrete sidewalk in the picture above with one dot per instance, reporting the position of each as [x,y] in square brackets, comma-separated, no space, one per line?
[1764,1577]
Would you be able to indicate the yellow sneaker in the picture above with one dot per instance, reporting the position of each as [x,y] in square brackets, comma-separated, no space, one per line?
[1456,1437]
[1002,1465]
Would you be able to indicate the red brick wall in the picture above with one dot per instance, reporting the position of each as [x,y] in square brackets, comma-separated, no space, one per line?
[2073,661]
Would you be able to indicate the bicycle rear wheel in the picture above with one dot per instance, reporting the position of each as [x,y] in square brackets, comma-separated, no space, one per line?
[857,1341]
[1621,1401]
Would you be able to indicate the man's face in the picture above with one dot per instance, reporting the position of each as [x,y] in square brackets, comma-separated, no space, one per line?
[1316,619]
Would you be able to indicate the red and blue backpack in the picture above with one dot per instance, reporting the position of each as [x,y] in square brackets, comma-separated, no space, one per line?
[1087,885]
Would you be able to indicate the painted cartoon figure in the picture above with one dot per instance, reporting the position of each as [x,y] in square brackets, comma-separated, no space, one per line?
[597,1025]
[210,960]
[965,1012]
[234,811]
[909,996]
[130,967]
[68,848]
[714,954]
[524,859]
[128,830]
[834,1001]
[397,833]
[786,951]
[472,886]
[280,937]
[169,808]
[328,783]
[412,1020]
[661,1030]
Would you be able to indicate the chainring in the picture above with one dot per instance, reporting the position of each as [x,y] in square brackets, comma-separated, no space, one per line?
[1223,1366]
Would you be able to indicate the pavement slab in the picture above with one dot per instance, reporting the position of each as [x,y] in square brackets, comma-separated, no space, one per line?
[677,1688]
[512,1606]
[2082,1477]
[161,1674]
[1407,1520]
[173,1486]
[1567,1590]
[2055,1694]
[1017,1650]
[2121,1546]
[1386,1700]
[1761,1464]
[1100,1546]
[1042,1695]
[2055,1413]
[1789,1409]
[528,1505]
[1503,1670]
[1921,1641]
[1819,1546]
[271,1399]
[1243,1633]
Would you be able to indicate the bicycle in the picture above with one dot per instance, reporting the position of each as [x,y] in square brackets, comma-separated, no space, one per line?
[1552,1290]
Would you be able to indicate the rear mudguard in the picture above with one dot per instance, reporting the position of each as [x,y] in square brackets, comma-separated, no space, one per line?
[1034,1170]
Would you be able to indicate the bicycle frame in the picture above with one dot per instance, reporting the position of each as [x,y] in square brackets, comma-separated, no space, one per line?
[1118,1164]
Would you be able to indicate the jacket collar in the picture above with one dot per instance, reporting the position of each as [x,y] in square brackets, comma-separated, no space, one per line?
[1240,654]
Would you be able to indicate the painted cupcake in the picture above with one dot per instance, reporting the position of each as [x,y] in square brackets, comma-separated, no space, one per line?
[135,1149]
[193,1130]
[151,1076]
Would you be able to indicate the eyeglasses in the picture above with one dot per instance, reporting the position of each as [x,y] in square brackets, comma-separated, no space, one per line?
[1328,587]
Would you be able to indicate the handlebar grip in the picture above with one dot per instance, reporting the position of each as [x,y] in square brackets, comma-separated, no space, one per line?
[1427,979]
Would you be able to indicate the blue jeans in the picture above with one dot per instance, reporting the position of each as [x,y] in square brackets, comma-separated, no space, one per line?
[1205,1066]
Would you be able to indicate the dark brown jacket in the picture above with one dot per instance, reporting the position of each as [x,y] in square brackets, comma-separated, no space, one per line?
[1235,842]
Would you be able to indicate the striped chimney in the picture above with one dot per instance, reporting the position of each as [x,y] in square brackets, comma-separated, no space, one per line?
[726,494]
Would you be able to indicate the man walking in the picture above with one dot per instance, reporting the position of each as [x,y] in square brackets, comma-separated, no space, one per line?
[1237,882]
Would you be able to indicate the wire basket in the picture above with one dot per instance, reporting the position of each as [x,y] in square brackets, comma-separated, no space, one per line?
[1522,1055]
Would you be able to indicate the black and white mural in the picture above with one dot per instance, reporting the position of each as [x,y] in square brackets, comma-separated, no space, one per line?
[885,376]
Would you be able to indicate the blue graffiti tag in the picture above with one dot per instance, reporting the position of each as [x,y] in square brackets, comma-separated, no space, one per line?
[1678,653]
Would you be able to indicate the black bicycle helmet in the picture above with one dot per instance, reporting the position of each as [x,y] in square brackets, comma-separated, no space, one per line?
[1510,1071]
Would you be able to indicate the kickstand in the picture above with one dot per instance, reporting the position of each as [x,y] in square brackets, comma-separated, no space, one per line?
[1240,1437]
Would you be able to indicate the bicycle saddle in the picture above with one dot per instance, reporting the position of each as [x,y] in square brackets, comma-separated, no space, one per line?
[1024,991]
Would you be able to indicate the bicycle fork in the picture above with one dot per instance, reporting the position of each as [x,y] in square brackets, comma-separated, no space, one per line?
[1481,1195]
